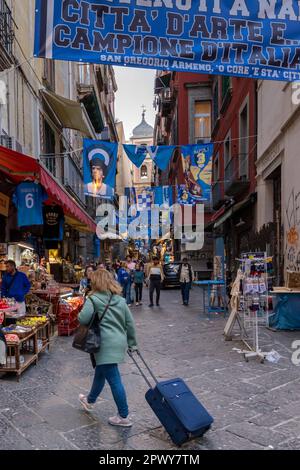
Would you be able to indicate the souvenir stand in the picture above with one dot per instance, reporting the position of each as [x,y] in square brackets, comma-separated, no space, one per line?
[250,302]
[215,290]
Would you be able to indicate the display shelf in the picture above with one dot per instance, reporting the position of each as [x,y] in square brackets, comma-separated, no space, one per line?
[27,348]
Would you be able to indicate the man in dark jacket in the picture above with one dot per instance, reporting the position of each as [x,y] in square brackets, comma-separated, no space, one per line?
[15,285]
[186,276]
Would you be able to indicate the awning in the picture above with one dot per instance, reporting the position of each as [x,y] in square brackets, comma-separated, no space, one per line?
[223,219]
[19,167]
[71,114]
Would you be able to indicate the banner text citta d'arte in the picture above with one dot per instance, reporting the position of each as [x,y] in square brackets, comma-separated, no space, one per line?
[246,38]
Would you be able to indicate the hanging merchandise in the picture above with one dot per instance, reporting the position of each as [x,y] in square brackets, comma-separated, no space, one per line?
[53,223]
[99,168]
[252,302]
[28,198]
[197,164]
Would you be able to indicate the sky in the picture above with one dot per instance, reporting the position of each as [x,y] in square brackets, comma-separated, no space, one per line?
[135,89]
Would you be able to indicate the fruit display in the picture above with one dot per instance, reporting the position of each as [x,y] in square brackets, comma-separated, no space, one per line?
[4,304]
[32,321]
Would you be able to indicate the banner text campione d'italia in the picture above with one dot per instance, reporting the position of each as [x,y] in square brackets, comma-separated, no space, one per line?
[247,38]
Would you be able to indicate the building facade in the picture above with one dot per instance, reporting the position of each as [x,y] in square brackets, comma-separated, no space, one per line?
[184,117]
[234,133]
[278,186]
[46,109]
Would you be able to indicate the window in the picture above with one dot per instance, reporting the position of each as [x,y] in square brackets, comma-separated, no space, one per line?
[49,73]
[49,146]
[84,74]
[144,172]
[202,120]
[216,102]
[216,169]
[227,151]
[226,85]
[6,27]
[244,142]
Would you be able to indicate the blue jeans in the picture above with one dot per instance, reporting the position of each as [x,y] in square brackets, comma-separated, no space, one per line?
[185,291]
[127,293]
[109,372]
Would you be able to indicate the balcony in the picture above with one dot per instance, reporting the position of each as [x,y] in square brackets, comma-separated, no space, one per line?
[217,195]
[234,183]
[6,36]
[167,102]
[88,97]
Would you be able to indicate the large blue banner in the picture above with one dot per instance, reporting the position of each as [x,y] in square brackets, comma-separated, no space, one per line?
[246,38]
[99,168]
[197,163]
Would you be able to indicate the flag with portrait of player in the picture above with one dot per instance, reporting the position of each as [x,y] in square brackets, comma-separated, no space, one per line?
[99,168]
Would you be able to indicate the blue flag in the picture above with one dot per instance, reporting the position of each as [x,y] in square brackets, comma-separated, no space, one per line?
[99,168]
[162,155]
[197,161]
[136,154]
[163,195]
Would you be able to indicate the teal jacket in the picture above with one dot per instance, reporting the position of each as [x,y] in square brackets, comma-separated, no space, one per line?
[117,327]
[139,277]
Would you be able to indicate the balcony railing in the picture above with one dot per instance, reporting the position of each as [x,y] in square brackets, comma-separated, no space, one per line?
[6,28]
[217,195]
[234,183]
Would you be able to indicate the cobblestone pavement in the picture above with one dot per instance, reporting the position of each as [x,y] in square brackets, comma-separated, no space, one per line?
[255,406]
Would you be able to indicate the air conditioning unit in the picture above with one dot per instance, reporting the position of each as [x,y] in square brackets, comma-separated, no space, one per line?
[167,94]
[202,141]
[11,143]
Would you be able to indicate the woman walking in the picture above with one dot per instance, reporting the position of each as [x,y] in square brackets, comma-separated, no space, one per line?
[117,335]
[156,276]
[138,280]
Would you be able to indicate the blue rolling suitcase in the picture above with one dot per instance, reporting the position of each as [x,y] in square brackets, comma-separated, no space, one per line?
[176,407]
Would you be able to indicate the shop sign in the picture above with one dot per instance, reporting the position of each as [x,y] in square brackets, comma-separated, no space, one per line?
[4,204]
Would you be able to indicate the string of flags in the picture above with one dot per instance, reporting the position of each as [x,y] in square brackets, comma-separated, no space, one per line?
[100,167]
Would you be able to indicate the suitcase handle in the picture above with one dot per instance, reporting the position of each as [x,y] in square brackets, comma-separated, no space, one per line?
[131,354]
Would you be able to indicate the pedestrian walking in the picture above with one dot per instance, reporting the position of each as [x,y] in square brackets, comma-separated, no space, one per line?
[124,279]
[186,277]
[85,283]
[138,280]
[117,336]
[155,277]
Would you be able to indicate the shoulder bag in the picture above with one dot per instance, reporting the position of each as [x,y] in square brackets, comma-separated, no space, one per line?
[88,337]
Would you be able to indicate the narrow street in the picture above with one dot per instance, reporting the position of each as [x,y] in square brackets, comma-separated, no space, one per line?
[255,406]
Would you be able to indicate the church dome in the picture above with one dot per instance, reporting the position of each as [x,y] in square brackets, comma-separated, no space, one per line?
[142,130]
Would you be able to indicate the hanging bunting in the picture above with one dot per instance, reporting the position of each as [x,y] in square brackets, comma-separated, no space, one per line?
[197,164]
[136,154]
[99,168]
[161,155]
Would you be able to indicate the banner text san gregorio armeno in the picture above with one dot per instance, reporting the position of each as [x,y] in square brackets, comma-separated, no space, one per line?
[252,38]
